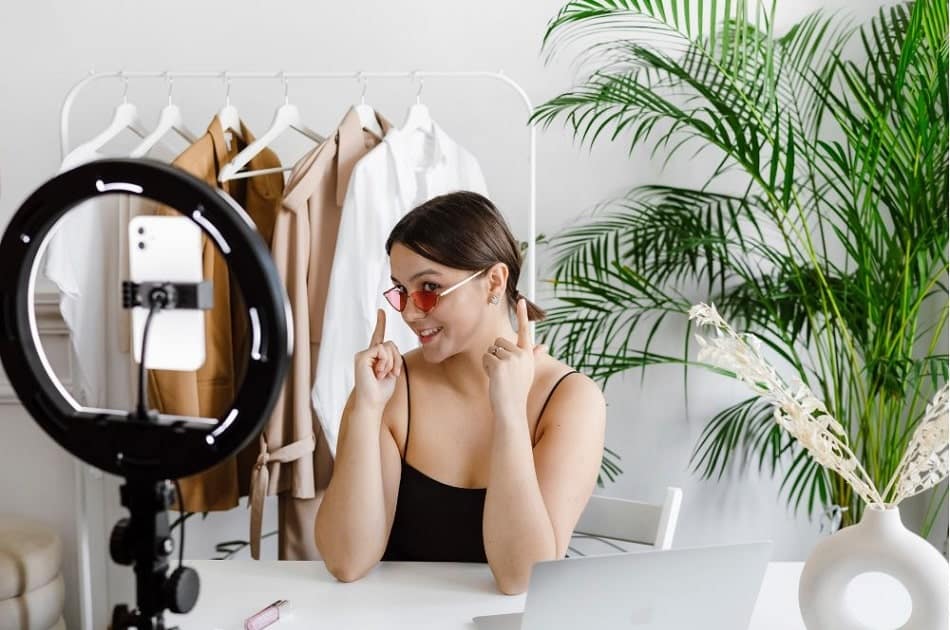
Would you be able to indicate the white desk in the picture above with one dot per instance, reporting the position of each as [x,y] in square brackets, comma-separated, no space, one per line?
[398,595]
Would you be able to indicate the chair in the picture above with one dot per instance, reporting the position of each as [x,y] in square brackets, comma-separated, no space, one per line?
[613,521]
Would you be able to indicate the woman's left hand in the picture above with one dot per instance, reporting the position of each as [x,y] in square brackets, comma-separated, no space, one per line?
[510,369]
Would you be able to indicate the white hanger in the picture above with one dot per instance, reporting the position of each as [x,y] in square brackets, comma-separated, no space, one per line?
[126,116]
[170,119]
[286,117]
[418,118]
[367,114]
[228,116]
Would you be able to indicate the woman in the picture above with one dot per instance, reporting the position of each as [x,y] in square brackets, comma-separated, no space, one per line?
[478,446]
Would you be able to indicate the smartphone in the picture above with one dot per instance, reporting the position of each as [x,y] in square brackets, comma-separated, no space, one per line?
[167,249]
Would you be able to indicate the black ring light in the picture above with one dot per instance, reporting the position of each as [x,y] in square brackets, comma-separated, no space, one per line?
[146,449]
[174,446]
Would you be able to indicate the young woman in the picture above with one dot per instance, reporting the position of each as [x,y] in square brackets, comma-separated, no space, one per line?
[478,446]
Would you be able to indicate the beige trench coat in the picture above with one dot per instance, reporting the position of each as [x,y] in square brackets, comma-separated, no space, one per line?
[293,448]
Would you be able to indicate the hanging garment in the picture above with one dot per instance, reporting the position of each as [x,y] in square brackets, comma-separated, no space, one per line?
[293,447]
[84,259]
[210,390]
[81,279]
[405,170]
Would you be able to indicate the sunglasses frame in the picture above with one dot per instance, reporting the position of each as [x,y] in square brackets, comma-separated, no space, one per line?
[437,295]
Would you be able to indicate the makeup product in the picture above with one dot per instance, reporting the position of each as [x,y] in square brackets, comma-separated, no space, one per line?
[267,616]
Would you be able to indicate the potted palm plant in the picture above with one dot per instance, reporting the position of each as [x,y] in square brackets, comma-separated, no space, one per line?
[834,251]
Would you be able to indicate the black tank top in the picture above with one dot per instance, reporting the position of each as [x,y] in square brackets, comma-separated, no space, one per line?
[436,522]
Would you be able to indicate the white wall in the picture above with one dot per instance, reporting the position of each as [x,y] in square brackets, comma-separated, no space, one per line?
[47,45]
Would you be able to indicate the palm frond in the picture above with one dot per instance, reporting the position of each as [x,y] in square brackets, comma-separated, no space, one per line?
[833,252]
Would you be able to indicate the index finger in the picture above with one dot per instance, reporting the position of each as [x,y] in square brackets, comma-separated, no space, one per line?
[524,324]
[380,332]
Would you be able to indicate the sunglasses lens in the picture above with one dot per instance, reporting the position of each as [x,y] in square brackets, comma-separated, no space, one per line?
[396,298]
[425,300]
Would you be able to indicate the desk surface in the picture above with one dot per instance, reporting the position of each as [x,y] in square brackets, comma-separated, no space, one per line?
[441,596]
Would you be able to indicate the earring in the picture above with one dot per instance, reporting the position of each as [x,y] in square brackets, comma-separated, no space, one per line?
[494,299]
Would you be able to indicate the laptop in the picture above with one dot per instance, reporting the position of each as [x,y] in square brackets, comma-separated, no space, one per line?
[713,588]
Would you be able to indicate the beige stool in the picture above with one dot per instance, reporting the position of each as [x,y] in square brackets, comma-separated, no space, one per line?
[31,585]
[39,609]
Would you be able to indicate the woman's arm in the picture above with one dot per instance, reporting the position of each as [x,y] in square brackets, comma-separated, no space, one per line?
[535,498]
[357,510]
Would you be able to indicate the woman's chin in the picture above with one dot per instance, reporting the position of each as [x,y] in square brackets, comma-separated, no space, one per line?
[436,352]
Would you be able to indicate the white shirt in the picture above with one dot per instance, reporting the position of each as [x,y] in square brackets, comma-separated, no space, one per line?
[87,260]
[77,261]
[403,171]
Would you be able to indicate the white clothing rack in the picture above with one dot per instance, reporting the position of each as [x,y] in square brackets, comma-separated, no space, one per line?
[82,510]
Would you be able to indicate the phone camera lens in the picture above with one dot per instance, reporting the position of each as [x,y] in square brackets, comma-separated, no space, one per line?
[141,245]
[141,230]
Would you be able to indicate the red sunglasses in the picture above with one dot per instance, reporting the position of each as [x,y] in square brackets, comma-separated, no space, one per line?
[425,301]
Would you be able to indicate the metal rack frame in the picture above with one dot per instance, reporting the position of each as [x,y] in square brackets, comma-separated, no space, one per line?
[82,507]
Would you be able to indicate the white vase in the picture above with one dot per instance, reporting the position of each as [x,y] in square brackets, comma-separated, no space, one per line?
[879,543]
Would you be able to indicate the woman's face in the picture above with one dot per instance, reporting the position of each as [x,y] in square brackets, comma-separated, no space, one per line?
[457,319]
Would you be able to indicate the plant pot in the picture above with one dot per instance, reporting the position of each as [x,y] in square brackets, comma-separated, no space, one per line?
[879,543]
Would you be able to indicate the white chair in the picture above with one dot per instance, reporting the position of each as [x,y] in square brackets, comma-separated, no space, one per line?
[615,521]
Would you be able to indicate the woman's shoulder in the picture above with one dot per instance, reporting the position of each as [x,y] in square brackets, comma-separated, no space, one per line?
[416,364]
[550,369]
[563,386]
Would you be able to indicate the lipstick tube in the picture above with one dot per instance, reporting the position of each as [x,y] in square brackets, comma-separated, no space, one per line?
[267,616]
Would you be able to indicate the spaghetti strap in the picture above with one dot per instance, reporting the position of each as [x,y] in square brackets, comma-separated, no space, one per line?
[545,405]
[405,368]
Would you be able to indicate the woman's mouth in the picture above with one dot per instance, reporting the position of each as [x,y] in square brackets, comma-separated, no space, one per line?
[429,334]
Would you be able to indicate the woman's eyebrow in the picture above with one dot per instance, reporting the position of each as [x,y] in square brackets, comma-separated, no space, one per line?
[424,272]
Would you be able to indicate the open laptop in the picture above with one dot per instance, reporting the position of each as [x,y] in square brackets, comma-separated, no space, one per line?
[713,588]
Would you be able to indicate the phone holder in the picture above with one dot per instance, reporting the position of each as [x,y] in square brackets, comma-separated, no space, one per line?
[160,446]
[199,295]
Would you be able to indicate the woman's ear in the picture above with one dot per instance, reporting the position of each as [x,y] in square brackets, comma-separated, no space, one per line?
[498,279]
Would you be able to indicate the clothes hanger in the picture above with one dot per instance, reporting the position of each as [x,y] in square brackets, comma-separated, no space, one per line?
[126,116]
[286,117]
[418,118]
[170,119]
[367,114]
[228,115]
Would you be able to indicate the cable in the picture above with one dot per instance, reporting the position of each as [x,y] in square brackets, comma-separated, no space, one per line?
[576,551]
[230,547]
[603,540]
[181,523]
[182,517]
[158,299]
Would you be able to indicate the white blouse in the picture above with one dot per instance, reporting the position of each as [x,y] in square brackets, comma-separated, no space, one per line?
[403,171]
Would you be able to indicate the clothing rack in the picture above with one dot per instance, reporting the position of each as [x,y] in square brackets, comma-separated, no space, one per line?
[82,499]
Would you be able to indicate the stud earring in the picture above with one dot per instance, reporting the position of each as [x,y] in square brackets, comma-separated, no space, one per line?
[494,299]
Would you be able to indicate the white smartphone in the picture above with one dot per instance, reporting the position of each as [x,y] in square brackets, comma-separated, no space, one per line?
[167,249]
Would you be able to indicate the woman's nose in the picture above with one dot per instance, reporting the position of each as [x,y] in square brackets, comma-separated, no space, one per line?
[413,313]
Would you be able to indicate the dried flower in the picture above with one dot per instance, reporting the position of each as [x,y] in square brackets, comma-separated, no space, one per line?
[797,409]
[925,462]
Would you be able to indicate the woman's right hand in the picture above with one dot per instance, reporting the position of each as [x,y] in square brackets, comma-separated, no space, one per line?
[377,368]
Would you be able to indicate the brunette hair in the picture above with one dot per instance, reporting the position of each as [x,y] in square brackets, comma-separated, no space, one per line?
[464,230]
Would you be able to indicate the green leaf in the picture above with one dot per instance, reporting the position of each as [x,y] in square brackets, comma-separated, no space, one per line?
[835,253]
